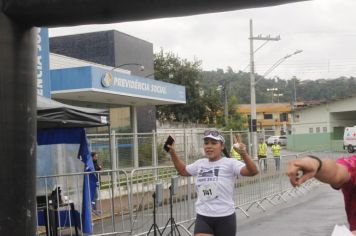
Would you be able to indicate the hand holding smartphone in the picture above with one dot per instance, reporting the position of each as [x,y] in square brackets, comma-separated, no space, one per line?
[169,141]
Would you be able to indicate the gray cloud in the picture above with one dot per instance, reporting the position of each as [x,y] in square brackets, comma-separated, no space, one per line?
[323,29]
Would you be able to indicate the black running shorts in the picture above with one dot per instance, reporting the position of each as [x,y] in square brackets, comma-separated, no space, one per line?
[217,226]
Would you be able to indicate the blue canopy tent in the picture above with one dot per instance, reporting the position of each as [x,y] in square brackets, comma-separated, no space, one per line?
[59,123]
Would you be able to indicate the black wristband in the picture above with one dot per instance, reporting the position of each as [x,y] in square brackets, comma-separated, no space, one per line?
[318,159]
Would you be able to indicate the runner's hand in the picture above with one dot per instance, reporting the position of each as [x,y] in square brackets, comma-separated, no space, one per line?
[301,170]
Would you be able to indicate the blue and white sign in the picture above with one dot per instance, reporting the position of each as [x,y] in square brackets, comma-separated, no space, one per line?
[90,78]
[43,79]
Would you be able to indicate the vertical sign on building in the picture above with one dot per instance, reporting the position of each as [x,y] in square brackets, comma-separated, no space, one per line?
[43,75]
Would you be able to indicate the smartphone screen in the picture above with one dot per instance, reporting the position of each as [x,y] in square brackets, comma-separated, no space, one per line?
[169,141]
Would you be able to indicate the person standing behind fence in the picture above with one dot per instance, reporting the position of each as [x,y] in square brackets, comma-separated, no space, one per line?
[233,152]
[262,154]
[97,167]
[276,151]
[214,184]
[94,156]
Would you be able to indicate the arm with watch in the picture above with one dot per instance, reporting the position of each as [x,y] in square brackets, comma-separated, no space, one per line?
[327,171]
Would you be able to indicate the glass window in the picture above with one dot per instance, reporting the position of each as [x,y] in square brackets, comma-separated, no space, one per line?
[325,130]
[267,116]
[120,118]
[311,130]
[317,130]
[283,116]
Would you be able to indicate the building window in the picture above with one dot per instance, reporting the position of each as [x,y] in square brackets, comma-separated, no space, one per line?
[283,117]
[317,130]
[311,130]
[120,119]
[325,130]
[267,116]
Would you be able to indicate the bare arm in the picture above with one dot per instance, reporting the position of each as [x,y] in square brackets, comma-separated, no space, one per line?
[178,163]
[250,169]
[330,172]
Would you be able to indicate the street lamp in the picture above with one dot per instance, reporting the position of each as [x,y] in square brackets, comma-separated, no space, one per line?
[277,63]
[278,95]
[149,75]
[253,91]
[142,68]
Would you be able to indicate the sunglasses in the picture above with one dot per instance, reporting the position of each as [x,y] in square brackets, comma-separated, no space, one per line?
[213,133]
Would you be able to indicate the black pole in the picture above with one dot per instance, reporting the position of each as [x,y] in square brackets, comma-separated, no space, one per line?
[171,208]
[154,214]
[18,128]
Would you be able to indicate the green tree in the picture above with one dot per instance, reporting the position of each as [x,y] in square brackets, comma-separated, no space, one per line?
[170,68]
[213,106]
[236,120]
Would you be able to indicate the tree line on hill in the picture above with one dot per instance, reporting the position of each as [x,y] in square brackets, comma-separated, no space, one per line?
[208,91]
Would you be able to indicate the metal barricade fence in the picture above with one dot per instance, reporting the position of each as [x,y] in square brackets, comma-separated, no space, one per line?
[113,211]
[59,204]
[247,192]
[270,174]
[144,184]
[284,179]
[149,148]
[125,201]
[62,209]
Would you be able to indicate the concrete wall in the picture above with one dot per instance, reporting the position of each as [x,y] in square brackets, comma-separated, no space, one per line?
[95,47]
[315,117]
[304,142]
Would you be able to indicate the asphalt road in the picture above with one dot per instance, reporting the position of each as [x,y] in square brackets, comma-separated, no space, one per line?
[314,214]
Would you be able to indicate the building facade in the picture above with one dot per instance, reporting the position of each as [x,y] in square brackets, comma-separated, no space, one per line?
[125,89]
[115,50]
[321,126]
[273,118]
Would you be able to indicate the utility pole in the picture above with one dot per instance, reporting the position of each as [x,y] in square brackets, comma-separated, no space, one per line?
[226,108]
[253,121]
[272,89]
[294,101]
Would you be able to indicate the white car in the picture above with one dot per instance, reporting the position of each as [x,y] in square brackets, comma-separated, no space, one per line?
[281,140]
[350,139]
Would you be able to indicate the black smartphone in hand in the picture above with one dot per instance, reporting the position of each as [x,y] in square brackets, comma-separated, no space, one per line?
[169,141]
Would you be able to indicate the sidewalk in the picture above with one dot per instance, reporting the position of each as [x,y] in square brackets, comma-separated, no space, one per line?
[314,214]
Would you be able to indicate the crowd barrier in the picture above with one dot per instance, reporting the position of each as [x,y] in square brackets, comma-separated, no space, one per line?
[125,199]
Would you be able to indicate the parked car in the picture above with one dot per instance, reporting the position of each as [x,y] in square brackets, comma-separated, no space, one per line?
[350,139]
[281,140]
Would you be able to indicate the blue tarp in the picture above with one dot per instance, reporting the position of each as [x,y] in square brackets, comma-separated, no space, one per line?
[75,136]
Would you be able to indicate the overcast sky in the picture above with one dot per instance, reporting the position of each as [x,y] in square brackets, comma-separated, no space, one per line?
[324,29]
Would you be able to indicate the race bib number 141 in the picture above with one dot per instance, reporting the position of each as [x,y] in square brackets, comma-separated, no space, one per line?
[207,192]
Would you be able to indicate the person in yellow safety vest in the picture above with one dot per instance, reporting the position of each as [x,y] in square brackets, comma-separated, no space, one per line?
[233,152]
[262,154]
[276,151]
